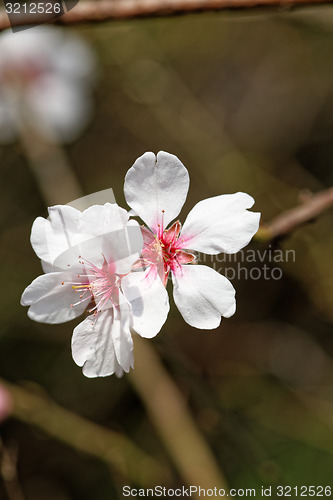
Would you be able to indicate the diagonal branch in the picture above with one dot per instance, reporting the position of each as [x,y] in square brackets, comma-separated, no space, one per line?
[115,449]
[107,10]
[173,421]
[291,219]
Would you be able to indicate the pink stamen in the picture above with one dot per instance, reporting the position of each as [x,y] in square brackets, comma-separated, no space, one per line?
[102,284]
[164,251]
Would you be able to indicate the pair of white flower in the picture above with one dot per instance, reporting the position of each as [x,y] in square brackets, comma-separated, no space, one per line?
[101,260]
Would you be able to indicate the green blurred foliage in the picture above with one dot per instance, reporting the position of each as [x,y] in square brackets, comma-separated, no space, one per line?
[246,103]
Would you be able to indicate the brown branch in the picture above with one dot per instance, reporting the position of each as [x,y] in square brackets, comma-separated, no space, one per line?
[115,449]
[173,421]
[107,10]
[291,219]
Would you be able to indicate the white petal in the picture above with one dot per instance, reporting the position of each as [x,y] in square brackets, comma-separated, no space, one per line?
[220,224]
[97,232]
[102,219]
[55,235]
[121,248]
[156,184]
[149,301]
[50,268]
[109,234]
[202,296]
[93,345]
[121,334]
[50,301]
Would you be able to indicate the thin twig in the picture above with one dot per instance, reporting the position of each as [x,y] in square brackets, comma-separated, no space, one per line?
[107,10]
[113,448]
[291,219]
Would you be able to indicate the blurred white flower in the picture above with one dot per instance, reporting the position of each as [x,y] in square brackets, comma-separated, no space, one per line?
[156,189]
[45,83]
[85,256]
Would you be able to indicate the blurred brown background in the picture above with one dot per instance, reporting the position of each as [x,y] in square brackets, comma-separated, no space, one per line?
[245,101]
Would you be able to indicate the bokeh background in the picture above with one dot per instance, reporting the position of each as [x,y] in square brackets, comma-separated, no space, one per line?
[246,102]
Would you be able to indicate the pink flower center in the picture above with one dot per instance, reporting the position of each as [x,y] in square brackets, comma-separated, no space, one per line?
[100,285]
[164,251]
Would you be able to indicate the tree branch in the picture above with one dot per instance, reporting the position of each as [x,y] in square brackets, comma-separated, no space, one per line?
[291,219]
[107,10]
[174,423]
[115,449]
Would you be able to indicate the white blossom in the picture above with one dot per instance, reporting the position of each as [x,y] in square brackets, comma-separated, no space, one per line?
[85,256]
[156,189]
